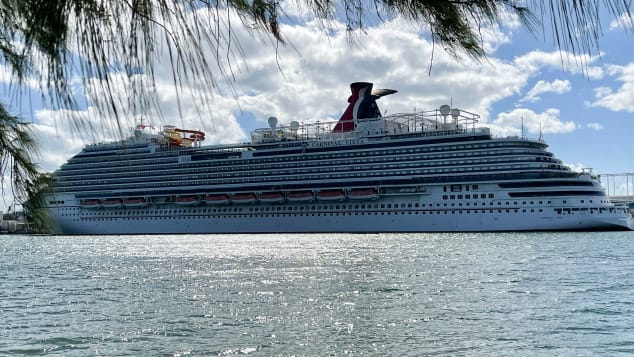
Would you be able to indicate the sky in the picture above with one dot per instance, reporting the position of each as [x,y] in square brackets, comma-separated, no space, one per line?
[582,106]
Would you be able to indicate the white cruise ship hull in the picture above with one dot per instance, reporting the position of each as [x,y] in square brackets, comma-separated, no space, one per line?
[340,223]
[331,217]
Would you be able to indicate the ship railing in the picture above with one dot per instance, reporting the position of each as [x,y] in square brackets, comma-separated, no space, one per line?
[432,122]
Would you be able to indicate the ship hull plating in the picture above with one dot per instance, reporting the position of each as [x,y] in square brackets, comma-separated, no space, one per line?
[331,217]
[338,223]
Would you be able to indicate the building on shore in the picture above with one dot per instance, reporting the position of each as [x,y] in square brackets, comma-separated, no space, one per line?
[13,222]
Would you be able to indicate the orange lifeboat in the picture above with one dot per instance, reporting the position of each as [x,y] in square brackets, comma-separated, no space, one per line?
[112,203]
[331,195]
[135,202]
[217,199]
[90,203]
[244,198]
[363,194]
[299,196]
[271,197]
[187,200]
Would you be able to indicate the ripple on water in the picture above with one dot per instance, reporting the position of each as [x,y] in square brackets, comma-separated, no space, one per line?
[380,294]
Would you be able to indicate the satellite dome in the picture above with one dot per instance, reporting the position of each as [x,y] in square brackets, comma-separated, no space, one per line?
[272,122]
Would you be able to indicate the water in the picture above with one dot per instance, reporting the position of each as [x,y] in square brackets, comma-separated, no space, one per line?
[383,294]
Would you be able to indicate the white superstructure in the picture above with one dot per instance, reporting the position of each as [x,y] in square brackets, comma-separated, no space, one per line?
[419,172]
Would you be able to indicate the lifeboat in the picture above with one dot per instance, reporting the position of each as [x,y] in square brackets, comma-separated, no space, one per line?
[112,203]
[244,198]
[331,195]
[135,202]
[363,194]
[161,200]
[217,199]
[187,200]
[94,204]
[299,196]
[271,197]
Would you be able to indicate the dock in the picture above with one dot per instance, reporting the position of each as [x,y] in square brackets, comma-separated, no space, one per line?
[620,188]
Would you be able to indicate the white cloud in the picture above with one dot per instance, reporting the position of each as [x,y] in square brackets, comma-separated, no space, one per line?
[314,84]
[557,86]
[623,23]
[621,99]
[533,123]
[565,61]
[595,126]
[578,167]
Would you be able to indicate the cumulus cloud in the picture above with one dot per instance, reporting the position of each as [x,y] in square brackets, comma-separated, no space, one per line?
[309,80]
[557,86]
[621,99]
[547,122]
[578,167]
[623,23]
[566,61]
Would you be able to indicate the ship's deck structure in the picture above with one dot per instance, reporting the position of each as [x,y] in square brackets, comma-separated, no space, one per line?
[427,171]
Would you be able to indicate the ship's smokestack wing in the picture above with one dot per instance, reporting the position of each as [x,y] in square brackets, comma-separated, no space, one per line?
[378,93]
[362,105]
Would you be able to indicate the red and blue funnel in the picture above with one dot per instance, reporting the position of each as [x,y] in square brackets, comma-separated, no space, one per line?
[362,105]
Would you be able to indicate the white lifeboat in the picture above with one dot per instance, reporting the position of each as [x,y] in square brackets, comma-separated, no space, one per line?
[271,197]
[186,200]
[331,195]
[363,194]
[221,199]
[299,196]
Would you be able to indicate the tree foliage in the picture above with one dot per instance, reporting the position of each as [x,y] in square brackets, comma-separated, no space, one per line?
[18,145]
[51,39]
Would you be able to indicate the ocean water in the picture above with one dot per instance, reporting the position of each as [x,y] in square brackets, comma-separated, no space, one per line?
[488,294]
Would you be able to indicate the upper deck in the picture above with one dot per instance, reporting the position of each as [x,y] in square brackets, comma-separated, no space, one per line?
[438,122]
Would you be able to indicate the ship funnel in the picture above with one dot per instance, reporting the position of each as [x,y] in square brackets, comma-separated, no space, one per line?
[362,105]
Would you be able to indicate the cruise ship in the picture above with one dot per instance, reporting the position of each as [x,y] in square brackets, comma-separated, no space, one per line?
[431,171]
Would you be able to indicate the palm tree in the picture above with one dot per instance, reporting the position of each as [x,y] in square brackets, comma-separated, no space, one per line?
[49,39]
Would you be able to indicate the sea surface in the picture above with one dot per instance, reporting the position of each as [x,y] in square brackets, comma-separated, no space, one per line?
[488,294]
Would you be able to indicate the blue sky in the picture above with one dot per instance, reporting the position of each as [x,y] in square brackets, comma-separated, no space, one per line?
[585,112]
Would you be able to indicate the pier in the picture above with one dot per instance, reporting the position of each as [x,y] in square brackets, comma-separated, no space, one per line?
[619,187]
[13,223]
